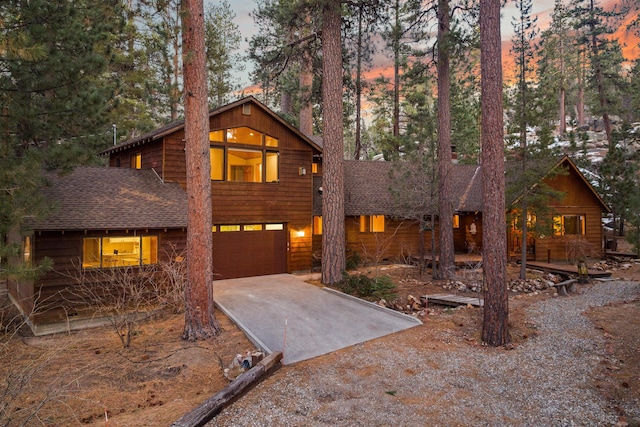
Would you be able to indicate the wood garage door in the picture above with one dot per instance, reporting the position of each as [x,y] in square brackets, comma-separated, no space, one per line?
[249,250]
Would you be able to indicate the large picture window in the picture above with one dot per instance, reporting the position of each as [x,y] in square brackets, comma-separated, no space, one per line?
[569,225]
[119,251]
[243,155]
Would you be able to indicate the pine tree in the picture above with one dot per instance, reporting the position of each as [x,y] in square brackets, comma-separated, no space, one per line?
[333,230]
[593,24]
[222,38]
[495,330]
[199,319]
[163,43]
[53,97]
[446,265]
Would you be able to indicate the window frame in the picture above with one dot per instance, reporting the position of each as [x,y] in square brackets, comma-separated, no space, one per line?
[372,223]
[559,227]
[224,139]
[97,259]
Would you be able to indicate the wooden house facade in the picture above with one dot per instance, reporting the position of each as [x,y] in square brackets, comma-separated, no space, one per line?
[100,218]
[261,186]
[575,219]
[377,230]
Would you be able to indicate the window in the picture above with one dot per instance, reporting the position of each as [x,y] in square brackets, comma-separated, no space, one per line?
[569,225]
[371,223]
[119,251]
[274,227]
[317,225]
[456,221]
[252,227]
[136,161]
[314,168]
[229,228]
[243,155]
[244,165]
[26,250]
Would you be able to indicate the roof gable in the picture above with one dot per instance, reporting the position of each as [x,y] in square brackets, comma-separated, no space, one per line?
[179,125]
[92,198]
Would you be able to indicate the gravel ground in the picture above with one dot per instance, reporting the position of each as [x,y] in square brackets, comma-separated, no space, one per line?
[548,380]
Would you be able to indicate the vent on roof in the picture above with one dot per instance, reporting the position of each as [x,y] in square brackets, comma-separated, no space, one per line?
[246,109]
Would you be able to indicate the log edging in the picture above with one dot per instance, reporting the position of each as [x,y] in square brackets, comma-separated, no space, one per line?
[213,405]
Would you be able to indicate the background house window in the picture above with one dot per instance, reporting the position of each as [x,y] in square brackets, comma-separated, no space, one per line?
[119,251]
[317,225]
[456,221]
[26,250]
[136,161]
[371,223]
[257,162]
[569,225]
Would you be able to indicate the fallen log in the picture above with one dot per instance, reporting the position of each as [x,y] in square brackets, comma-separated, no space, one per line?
[212,406]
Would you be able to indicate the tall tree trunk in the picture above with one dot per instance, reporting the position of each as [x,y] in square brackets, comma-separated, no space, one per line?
[597,65]
[175,82]
[580,101]
[358,136]
[333,232]
[523,146]
[495,329]
[199,319]
[562,94]
[286,103]
[306,85]
[446,264]
[396,73]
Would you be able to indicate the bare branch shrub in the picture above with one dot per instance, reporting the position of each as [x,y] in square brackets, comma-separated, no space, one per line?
[129,295]
[23,397]
[576,247]
[381,249]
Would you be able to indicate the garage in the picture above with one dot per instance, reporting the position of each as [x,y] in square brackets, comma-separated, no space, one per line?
[243,250]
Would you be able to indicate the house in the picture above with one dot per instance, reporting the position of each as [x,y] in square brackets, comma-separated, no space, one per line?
[575,219]
[266,182]
[261,185]
[101,217]
[377,230]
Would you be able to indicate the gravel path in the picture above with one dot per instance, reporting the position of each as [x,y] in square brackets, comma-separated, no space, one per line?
[546,381]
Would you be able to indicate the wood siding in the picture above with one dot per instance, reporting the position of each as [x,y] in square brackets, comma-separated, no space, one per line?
[54,288]
[399,241]
[579,199]
[289,201]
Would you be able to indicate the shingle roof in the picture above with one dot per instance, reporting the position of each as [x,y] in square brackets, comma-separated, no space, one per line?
[366,188]
[467,188]
[100,198]
[367,183]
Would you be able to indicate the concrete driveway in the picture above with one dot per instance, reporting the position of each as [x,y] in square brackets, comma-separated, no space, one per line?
[284,313]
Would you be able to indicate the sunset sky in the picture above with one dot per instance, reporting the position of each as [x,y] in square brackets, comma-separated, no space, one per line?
[541,8]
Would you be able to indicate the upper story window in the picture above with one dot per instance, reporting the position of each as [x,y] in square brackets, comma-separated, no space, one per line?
[243,154]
